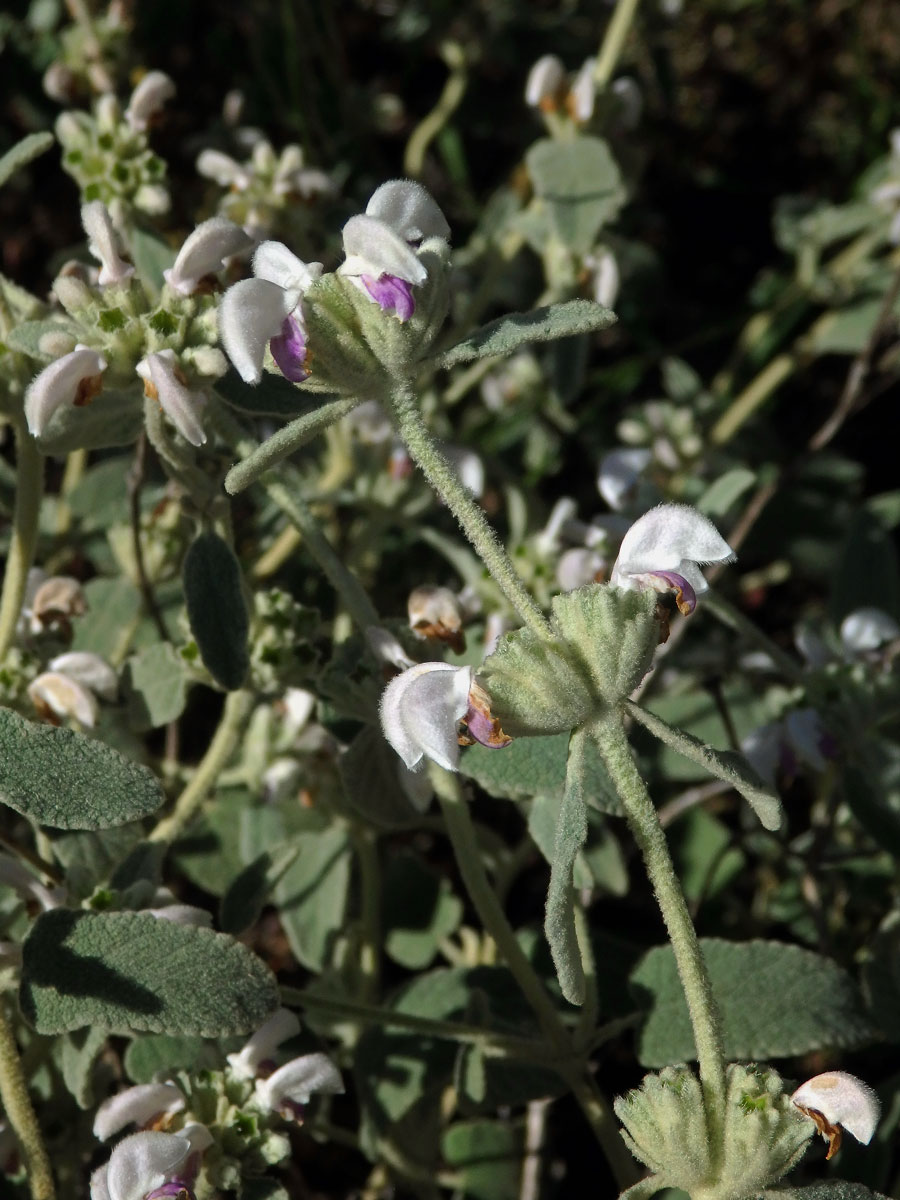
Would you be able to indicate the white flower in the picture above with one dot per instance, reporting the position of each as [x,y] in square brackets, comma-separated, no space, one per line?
[578,567]
[261,1046]
[90,670]
[380,244]
[605,273]
[203,253]
[103,243]
[468,466]
[545,82]
[294,1083]
[619,475]
[867,629]
[435,612]
[386,648]
[148,98]
[583,91]
[141,1164]
[138,1105]
[223,170]
[56,695]
[163,382]
[72,379]
[268,309]
[420,710]
[837,1099]
[663,549]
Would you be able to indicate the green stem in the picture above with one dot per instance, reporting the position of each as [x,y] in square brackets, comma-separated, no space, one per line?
[614,41]
[467,511]
[593,1104]
[235,715]
[449,100]
[587,1018]
[352,593]
[20,1113]
[26,514]
[644,824]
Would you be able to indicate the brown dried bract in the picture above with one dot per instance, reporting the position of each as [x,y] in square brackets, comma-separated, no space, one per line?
[831,1133]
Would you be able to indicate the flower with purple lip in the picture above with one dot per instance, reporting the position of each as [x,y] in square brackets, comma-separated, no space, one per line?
[381,245]
[663,551]
[268,310]
[421,708]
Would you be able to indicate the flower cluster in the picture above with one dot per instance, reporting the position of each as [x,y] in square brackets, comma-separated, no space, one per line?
[116,330]
[384,260]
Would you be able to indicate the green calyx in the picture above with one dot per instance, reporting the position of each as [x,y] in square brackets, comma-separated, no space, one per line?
[602,647]
[763,1134]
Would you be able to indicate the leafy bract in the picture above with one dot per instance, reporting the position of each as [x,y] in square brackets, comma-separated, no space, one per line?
[514,330]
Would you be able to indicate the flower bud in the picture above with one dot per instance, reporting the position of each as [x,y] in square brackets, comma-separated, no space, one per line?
[72,379]
[148,98]
[434,612]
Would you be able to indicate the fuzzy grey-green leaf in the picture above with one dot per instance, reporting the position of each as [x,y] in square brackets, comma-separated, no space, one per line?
[776,1000]
[125,971]
[23,152]
[514,330]
[726,765]
[61,778]
[571,834]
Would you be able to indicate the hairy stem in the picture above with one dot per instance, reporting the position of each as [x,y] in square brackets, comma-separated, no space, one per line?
[644,824]
[235,715]
[29,490]
[19,1112]
[593,1104]
[467,511]
[614,41]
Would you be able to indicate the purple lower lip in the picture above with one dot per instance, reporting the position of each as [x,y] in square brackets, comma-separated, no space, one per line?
[289,350]
[685,596]
[391,294]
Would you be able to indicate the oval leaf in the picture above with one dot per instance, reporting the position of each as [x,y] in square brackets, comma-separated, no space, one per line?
[126,971]
[63,779]
[776,1001]
[508,333]
[214,596]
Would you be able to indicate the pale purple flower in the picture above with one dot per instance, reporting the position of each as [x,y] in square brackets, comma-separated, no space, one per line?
[55,695]
[663,551]
[545,83]
[268,308]
[148,1165]
[261,1046]
[420,710]
[380,244]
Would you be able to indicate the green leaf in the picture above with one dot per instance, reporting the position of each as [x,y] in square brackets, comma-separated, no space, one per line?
[536,766]
[487,1155]
[370,775]
[151,256]
[25,338]
[420,910]
[123,971]
[881,977]
[30,147]
[776,1001]
[248,892]
[78,1053]
[155,683]
[866,800]
[61,778]
[214,594]
[580,186]
[726,765]
[114,418]
[113,609]
[285,442]
[726,491]
[508,333]
[157,1053]
[571,834]
[312,895]
[847,330]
